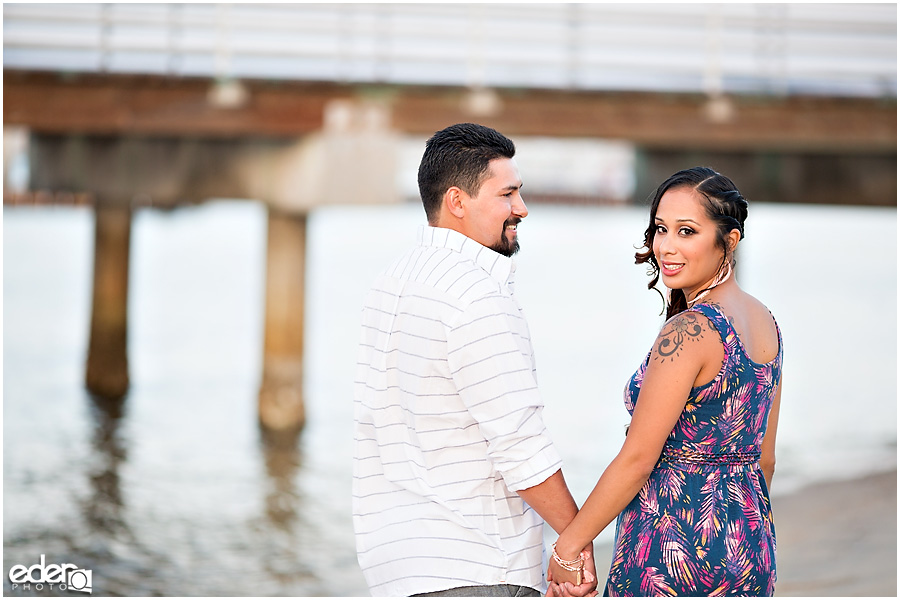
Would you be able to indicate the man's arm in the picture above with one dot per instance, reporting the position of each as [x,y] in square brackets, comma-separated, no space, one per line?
[495,381]
[553,501]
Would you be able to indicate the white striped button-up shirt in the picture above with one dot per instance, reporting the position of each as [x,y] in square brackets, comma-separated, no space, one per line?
[448,425]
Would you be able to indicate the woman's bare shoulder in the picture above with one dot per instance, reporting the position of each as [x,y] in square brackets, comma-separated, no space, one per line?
[755,326]
[689,333]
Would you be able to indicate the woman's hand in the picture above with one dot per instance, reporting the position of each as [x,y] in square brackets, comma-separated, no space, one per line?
[564,582]
[557,574]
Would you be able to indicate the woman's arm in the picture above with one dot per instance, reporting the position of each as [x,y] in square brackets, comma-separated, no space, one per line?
[767,450]
[686,346]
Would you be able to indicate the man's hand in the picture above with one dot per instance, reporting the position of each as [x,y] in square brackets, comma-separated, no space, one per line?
[567,590]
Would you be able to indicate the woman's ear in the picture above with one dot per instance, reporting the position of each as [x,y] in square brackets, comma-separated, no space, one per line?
[453,201]
[732,239]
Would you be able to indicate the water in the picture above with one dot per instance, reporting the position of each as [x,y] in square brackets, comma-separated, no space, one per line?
[176,492]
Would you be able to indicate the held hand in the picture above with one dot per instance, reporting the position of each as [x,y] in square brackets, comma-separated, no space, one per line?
[589,581]
[564,582]
[566,590]
[556,574]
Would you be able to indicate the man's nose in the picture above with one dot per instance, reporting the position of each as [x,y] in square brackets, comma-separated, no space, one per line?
[518,207]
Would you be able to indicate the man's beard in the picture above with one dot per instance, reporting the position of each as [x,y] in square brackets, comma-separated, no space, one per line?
[504,246]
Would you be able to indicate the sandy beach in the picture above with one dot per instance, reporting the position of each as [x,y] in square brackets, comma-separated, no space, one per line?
[834,539]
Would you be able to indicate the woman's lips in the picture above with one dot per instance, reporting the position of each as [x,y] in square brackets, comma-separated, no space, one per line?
[670,269]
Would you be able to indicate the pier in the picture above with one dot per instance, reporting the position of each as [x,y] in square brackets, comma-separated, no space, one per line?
[123,139]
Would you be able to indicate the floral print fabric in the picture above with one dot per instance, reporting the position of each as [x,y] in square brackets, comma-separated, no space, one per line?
[702,524]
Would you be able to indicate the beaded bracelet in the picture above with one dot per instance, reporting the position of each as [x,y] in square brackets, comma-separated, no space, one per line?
[573,566]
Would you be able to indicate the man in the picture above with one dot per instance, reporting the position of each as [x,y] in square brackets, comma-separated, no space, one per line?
[453,467]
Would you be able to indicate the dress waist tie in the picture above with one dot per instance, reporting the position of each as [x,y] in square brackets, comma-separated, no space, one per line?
[745,458]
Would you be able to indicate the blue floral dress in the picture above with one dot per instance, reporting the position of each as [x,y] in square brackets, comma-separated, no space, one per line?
[702,524]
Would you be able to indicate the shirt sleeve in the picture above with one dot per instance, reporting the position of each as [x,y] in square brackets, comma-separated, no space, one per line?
[490,360]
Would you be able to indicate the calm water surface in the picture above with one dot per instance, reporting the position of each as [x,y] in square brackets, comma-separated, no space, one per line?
[175,491]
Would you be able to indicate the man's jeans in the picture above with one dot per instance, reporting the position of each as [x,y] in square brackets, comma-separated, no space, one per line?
[503,590]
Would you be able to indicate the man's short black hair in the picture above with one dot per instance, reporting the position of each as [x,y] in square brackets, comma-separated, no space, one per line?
[458,156]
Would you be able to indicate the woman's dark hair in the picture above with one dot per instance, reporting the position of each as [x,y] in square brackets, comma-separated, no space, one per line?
[724,205]
[458,156]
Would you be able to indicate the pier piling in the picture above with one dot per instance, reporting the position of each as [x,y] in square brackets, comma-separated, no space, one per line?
[107,362]
[281,393]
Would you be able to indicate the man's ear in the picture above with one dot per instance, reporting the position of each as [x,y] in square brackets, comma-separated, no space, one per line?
[453,201]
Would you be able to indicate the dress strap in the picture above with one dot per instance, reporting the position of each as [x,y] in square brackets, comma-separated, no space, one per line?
[729,335]
[780,341]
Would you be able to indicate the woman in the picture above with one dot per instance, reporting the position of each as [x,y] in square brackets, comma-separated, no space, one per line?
[691,480]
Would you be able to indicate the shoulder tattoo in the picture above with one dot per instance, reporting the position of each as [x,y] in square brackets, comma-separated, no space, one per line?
[676,334]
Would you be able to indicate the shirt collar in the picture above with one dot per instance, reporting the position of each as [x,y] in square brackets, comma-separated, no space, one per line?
[500,268]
